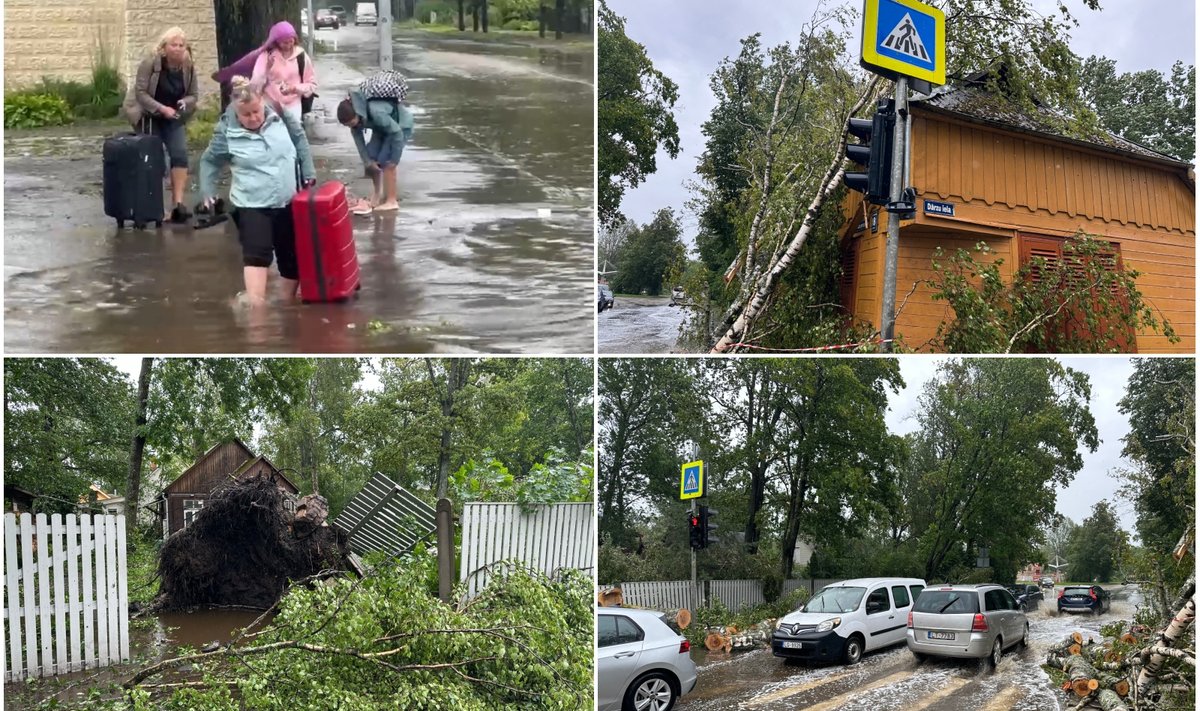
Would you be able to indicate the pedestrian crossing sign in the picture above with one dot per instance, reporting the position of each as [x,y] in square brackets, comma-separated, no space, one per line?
[904,38]
[691,480]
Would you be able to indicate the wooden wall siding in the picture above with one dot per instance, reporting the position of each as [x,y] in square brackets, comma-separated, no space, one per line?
[959,161]
[211,469]
[265,468]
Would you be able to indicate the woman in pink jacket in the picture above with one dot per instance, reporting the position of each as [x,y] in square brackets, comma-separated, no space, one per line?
[285,72]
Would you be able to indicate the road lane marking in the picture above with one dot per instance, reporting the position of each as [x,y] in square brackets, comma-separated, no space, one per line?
[836,701]
[1005,700]
[953,686]
[793,690]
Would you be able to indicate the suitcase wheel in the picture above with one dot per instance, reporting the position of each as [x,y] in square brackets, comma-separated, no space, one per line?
[120,224]
[139,225]
[158,223]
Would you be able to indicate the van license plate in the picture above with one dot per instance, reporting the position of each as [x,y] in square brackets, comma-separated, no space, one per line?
[941,635]
[793,645]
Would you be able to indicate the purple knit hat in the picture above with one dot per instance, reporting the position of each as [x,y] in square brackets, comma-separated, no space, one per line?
[245,66]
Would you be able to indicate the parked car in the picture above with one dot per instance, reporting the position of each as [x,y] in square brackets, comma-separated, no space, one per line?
[604,298]
[1084,598]
[642,661]
[340,12]
[966,621]
[327,18]
[1029,597]
[678,297]
[845,620]
[364,14]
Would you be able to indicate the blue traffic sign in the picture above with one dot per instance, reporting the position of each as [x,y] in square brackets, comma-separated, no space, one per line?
[691,480]
[904,38]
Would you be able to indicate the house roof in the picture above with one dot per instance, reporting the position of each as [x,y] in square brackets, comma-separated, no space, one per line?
[274,469]
[971,100]
[206,455]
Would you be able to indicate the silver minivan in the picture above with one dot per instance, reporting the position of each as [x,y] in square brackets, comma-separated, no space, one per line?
[364,14]
[966,621]
[643,663]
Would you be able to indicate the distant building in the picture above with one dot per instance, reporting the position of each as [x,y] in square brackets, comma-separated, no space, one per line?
[18,500]
[183,498]
[987,171]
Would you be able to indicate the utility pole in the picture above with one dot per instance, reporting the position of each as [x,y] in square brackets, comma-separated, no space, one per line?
[695,585]
[385,34]
[892,255]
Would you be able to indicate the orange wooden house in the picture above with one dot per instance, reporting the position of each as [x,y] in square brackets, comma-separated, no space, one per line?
[984,172]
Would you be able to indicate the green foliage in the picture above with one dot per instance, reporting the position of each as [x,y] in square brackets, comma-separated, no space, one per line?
[201,125]
[648,254]
[633,108]
[1076,304]
[510,11]
[23,110]
[515,646]
[447,14]
[1145,107]
[553,480]
[1097,546]
[522,25]
[718,615]
[67,424]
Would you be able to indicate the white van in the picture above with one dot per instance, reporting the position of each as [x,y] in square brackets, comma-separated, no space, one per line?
[845,620]
[364,14]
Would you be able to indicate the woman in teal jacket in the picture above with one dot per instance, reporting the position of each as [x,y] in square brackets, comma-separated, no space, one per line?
[262,148]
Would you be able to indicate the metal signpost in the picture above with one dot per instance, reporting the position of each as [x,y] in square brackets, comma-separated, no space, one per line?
[691,487]
[901,39]
[384,20]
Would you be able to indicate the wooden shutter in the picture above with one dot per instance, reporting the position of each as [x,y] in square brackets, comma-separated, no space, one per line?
[848,281]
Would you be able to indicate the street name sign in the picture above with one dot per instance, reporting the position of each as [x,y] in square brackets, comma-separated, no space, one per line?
[904,38]
[691,480]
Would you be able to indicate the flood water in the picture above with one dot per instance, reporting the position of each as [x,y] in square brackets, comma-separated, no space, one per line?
[491,250]
[891,680]
[640,324]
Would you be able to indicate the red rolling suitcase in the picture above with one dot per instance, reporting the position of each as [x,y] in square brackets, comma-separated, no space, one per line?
[325,243]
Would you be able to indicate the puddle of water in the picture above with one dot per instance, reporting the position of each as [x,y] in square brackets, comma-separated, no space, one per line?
[198,628]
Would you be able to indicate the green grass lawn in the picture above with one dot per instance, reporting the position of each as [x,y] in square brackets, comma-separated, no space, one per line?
[571,42]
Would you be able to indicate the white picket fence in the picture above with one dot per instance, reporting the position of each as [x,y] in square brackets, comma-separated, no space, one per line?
[66,604]
[550,538]
[734,594]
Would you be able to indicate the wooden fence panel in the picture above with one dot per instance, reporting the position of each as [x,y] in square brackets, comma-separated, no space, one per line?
[663,594]
[67,601]
[736,595]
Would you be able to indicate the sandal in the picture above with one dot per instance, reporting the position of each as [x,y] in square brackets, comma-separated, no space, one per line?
[362,208]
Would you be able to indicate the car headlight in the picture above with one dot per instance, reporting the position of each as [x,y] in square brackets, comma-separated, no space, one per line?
[779,623]
[829,624]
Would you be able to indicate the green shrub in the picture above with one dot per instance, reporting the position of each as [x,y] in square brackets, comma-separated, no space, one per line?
[200,126]
[522,25]
[447,14]
[25,110]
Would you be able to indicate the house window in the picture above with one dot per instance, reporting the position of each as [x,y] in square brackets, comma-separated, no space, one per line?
[113,511]
[190,508]
[289,503]
[1049,253]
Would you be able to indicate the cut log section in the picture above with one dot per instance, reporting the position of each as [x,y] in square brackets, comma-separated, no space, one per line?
[681,617]
[611,597]
[1109,700]
[1082,675]
[714,641]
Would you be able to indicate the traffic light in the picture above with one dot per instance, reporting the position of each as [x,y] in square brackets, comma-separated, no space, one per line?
[707,527]
[874,153]
[695,532]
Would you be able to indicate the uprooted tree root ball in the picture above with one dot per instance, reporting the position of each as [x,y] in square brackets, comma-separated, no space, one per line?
[241,550]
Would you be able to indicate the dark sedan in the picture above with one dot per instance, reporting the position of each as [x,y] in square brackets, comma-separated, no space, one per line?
[340,12]
[1084,598]
[1028,596]
[604,298]
[327,18]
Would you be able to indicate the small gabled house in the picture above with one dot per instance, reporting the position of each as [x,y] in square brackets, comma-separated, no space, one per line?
[986,170]
[230,460]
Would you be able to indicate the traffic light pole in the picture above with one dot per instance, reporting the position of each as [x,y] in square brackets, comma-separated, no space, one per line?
[694,556]
[899,148]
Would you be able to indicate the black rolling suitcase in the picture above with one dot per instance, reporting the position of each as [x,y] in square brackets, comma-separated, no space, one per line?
[134,168]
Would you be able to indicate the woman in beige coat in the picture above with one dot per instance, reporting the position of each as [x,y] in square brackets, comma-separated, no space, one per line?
[164,96]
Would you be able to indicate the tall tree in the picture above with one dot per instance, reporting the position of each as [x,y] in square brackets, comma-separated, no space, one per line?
[133,482]
[997,439]
[452,378]
[1096,546]
[649,254]
[633,108]
[1145,107]
[66,426]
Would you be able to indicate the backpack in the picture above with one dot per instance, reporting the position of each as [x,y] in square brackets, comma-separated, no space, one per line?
[386,84]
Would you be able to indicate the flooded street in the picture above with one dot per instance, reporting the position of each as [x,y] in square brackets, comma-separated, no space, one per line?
[640,324]
[892,680]
[491,250]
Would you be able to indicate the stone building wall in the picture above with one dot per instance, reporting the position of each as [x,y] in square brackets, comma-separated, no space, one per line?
[62,38]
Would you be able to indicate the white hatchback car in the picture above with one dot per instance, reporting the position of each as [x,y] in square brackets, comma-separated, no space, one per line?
[847,619]
[643,663]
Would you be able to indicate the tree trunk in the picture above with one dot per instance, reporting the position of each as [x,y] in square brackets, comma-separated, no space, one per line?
[308,441]
[1082,675]
[483,11]
[457,372]
[1168,637]
[133,482]
[542,21]
[243,25]
[560,16]
[462,17]
[1110,701]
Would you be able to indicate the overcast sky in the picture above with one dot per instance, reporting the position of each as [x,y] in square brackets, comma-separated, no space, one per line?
[687,38]
[1108,376]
